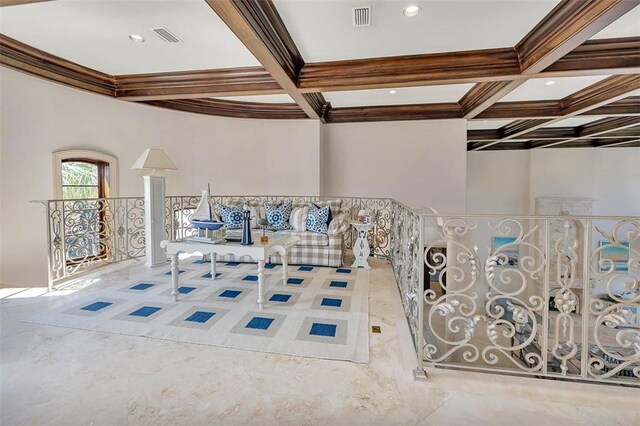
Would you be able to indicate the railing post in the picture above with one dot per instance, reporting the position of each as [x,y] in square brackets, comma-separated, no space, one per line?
[420,373]
[586,294]
[49,254]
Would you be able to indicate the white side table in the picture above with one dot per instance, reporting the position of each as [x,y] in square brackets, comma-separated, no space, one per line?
[361,248]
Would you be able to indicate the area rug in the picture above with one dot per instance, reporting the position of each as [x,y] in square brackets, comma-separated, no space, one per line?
[320,313]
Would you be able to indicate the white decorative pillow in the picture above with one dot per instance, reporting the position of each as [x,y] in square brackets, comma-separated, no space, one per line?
[298,218]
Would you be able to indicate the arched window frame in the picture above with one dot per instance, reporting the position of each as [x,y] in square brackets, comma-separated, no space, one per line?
[111,182]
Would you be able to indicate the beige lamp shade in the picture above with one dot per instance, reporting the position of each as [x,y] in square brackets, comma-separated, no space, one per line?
[154,159]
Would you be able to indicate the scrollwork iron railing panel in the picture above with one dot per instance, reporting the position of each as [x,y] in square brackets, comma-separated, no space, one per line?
[405,256]
[84,234]
[87,233]
[534,295]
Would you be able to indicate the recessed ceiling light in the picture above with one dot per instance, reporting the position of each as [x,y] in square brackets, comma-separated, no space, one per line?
[392,92]
[550,83]
[137,38]
[412,10]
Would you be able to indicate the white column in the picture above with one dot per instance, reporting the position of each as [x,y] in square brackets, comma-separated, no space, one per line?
[154,220]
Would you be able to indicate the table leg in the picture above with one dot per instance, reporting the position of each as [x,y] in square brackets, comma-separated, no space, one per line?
[175,272]
[213,265]
[285,266]
[261,284]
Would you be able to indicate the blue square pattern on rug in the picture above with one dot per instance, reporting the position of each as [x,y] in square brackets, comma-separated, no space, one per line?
[141,286]
[169,272]
[250,278]
[208,275]
[199,262]
[305,268]
[295,281]
[328,301]
[185,289]
[343,271]
[320,329]
[232,264]
[200,316]
[270,266]
[259,323]
[145,311]
[231,294]
[339,284]
[280,297]
[96,306]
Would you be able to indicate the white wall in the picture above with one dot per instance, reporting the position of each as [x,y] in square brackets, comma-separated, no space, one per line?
[610,176]
[38,117]
[420,163]
[509,182]
[498,182]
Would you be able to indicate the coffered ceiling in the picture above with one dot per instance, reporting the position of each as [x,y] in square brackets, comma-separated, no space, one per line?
[323,31]
[95,34]
[526,74]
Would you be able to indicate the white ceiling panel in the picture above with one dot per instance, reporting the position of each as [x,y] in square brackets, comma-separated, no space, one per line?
[486,124]
[96,34]
[323,30]
[626,26]
[576,121]
[538,89]
[402,96]
[270,99]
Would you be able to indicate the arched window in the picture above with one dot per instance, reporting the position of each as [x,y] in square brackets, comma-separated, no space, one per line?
[79,174]
[83,178]
[87,176]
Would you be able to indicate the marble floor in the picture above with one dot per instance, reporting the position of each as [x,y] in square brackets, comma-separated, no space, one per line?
[60,376]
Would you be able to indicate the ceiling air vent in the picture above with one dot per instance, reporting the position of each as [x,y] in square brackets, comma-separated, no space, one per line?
[166,35]
[361,16]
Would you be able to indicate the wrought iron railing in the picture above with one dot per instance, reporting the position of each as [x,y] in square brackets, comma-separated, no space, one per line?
[545,296]
[83,234]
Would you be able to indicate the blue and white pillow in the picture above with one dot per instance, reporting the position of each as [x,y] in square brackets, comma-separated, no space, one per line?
[317,219]
[278,217]
[232,216]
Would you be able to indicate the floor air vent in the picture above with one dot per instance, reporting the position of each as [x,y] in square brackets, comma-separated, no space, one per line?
[361,16]
[166,35]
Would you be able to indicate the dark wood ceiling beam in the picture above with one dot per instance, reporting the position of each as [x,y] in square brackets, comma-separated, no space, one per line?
[598,57]
[552,109]
[411,70]
[232,108]
[602,93]
[5,3]
[600,127]
[566,27]
[394,113]
[597,95]
[555,134]
[22,57]
[196,84]
[259,27]
[483,95]
[617,143]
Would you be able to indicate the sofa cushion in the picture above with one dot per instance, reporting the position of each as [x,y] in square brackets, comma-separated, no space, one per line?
[317,219]
[298,218]
[308,238]
[278,217]
[231,215]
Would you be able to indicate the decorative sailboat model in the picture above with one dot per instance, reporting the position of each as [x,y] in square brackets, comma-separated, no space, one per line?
[209,229]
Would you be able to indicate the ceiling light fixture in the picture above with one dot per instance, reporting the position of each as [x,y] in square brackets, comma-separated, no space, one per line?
[392,92]
[137,38]
[550,83]
[412,10]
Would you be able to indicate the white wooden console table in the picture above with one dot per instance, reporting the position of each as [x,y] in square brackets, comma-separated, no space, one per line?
[258,252]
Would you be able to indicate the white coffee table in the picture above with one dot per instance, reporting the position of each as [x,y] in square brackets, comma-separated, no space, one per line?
[258,252]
